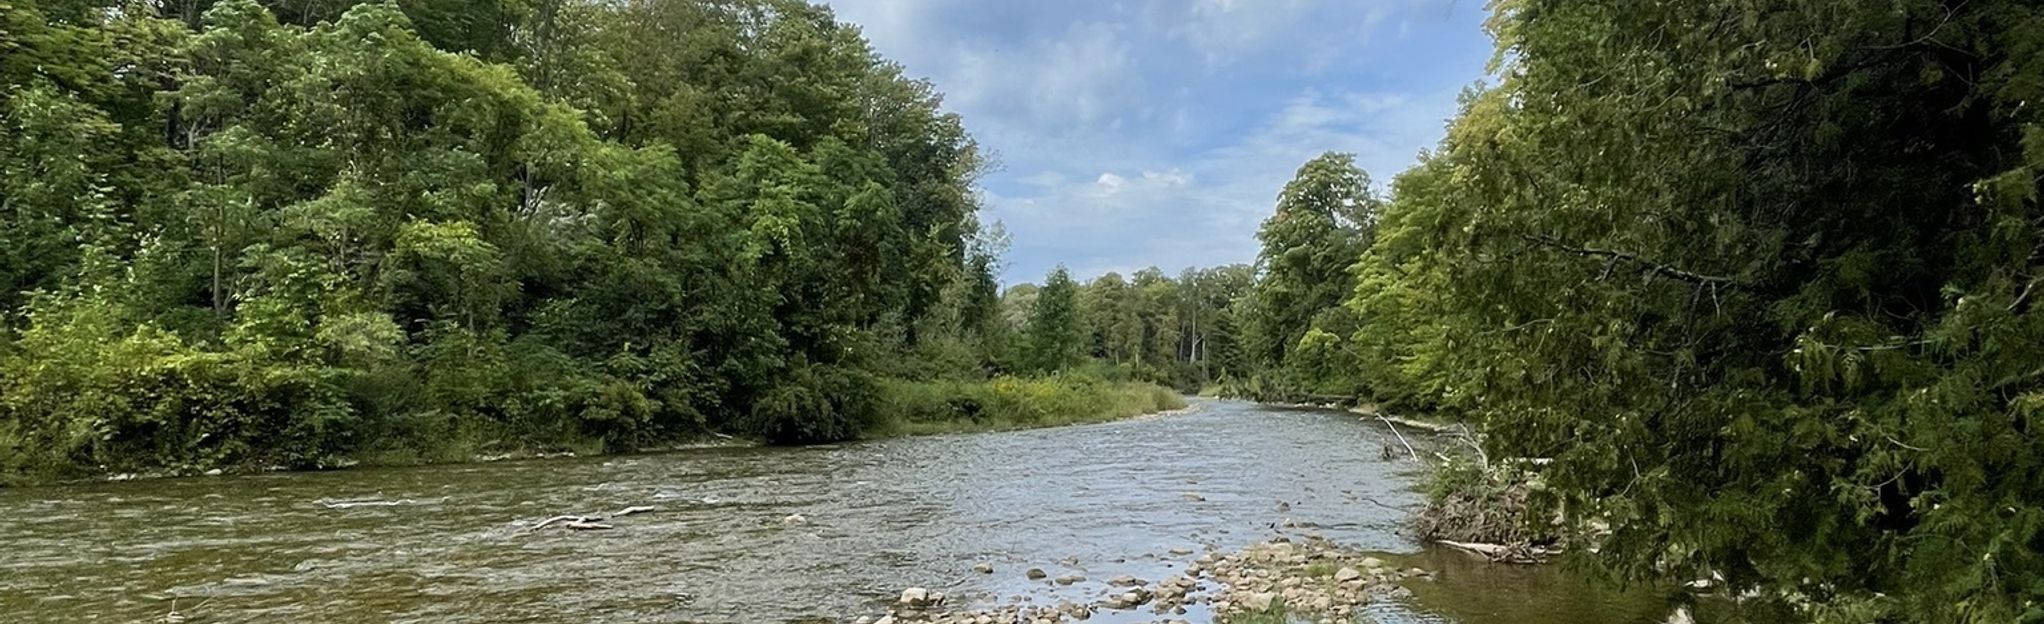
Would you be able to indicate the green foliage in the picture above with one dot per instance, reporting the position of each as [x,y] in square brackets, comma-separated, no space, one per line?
[916,408]
[1180,332]
[333,230]
[1294,337]
[1057,331]
[1758,279]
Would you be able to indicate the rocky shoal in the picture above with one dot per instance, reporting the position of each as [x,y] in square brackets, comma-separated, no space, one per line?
[1312,578]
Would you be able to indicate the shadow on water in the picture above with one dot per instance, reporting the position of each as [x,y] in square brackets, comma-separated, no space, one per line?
[748,535]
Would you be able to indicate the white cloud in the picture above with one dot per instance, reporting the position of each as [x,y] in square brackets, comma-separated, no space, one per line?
[1081,77]
[1158,132]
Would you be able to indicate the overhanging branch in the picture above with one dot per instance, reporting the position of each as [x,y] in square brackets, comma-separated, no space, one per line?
[1657,268]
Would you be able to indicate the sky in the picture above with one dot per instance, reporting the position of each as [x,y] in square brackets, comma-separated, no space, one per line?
[1135,133]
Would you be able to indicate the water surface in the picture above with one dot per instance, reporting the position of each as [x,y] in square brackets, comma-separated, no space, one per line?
[448,543]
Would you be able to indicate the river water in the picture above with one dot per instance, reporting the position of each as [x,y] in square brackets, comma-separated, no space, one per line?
[448,543]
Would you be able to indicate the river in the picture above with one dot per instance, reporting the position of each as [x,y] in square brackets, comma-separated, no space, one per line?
[448,543]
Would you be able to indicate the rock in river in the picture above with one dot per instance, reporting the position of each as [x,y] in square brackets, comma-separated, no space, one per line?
[917,598]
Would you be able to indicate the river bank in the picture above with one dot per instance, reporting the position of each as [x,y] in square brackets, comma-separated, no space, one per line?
[914,408]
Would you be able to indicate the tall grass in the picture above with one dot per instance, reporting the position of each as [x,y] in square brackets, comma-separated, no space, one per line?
[1006,403]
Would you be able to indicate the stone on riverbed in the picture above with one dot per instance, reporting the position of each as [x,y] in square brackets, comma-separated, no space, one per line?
[1250,581]
[1036,574]
[983,568]
[917,598]
[1258,601]
[1068,579]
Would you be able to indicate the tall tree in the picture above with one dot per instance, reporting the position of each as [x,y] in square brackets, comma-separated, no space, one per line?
[1324,219]
[1057,332]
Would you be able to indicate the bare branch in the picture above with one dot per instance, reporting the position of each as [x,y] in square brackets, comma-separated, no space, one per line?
[1657,268]
[1401,437]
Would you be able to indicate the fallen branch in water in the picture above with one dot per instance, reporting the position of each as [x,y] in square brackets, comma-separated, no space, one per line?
[632,510]
[363,503]
[1407,510]
[549,521]
[590,523]
[1401,437]
[1501,553]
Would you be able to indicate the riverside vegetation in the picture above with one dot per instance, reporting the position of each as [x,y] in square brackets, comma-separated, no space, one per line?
[1754,282]
[245,235]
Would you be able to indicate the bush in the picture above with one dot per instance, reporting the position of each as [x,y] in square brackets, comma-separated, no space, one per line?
[816,403]
[83,390]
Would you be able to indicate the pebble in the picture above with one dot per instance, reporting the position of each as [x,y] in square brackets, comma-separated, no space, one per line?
[1233,584]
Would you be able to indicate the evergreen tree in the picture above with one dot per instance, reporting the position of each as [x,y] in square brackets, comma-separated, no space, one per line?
[1057,333]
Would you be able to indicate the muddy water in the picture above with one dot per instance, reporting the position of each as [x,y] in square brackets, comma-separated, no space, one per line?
[447,544]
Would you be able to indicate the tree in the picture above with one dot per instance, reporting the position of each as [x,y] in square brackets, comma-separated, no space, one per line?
[1757,278]
[1324,219]
[1056,333]
[1108,305]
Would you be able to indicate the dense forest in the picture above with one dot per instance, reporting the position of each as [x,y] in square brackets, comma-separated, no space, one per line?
[304,234]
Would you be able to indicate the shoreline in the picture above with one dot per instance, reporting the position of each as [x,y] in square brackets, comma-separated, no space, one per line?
[702,442]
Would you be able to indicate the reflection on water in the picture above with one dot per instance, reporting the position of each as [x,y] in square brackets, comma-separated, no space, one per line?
[1469,589]
[447,544]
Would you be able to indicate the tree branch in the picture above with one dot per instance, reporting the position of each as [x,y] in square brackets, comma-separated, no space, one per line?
[1650,266]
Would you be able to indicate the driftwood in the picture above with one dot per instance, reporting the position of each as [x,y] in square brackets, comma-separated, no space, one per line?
[364,503]
[549,521]
[1499,552]
[1401,437]
[590,523]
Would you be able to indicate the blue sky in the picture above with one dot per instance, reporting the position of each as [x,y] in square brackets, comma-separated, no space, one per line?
[1132,133]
